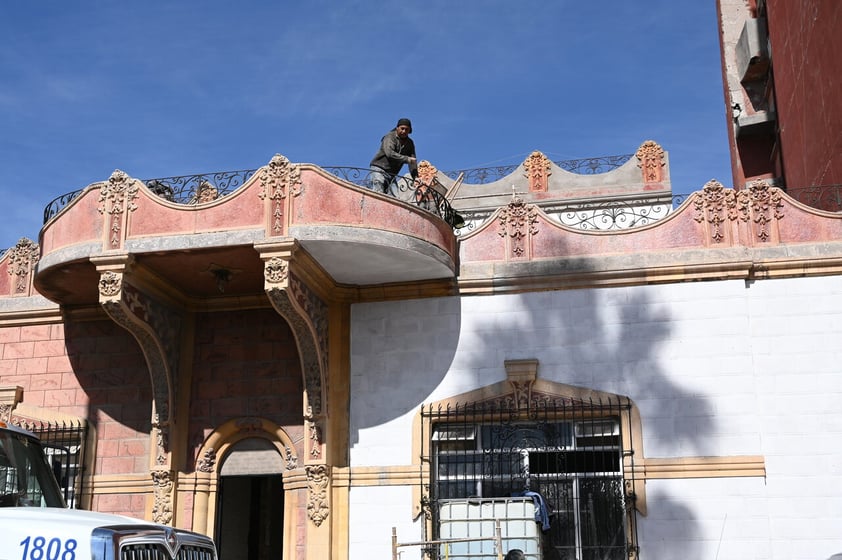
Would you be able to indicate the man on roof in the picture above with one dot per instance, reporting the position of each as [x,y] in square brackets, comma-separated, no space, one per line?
[396,149]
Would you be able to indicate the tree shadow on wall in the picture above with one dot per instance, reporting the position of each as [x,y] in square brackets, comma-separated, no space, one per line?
[112,372]
[617,340]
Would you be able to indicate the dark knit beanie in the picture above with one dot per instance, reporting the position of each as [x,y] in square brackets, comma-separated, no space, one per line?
[406,122]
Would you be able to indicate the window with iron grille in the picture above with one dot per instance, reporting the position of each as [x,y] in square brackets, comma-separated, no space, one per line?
[568,458]
[64,446]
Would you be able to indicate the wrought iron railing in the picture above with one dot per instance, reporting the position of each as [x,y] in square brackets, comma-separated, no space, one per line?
[823,197]
[184,189]
[188,189]
[406,189]
[64,446]
[583,166]
[592,216]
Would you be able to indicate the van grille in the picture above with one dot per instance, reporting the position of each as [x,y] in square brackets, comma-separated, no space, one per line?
[157,551]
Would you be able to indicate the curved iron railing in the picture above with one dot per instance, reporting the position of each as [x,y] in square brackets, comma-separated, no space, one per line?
[583,166]
[404,188]
[823,197]
[183,189]
[186,189]
[596,216]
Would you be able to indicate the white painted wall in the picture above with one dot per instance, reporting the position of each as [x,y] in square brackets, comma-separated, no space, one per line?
[716,368]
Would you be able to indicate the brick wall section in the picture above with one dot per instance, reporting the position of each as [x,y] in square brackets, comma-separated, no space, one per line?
[246,364]
[93,370]
[115,392]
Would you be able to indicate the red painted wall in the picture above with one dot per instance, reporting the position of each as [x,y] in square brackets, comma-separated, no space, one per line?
[807,65]
[245,364]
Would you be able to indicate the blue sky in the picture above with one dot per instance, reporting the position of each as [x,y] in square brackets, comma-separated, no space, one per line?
[160,89]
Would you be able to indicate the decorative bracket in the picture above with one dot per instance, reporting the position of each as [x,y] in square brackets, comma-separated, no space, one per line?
[318,482]
[156,328]
[306,315]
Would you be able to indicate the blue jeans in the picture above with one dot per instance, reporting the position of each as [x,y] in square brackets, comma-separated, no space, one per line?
[382,181]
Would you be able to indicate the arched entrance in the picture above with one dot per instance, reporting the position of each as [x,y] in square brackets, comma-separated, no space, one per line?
[250,502]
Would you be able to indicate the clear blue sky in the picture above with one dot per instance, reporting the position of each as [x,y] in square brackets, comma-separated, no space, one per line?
[161,89]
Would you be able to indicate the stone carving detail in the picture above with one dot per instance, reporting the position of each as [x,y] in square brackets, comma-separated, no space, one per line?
[110,283]
[6,412]
[116,196]
[427,172]
[314,309]
[712,205]
[290,458]
[758,204]
[761,204]
[537,167]
[650,158]
[162,482]
[161,440]
[315,438]
[276,178]
[206,193]
[276,270]
[318,478]
[518,222]
[22,259]
[522,393]
[307,348]
[307,317]
[207,462]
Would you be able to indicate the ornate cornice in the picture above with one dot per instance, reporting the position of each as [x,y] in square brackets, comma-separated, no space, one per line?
[537,167]
[518,223]
[650,159]
[116,197]
[278,178]
[22,260]
[318,480]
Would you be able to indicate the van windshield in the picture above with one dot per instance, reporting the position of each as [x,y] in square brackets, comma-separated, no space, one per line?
[26,479]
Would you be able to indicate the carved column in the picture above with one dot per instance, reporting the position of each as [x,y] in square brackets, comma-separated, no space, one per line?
[157,328]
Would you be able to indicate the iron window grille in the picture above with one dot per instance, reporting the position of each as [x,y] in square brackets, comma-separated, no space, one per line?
[568,453]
